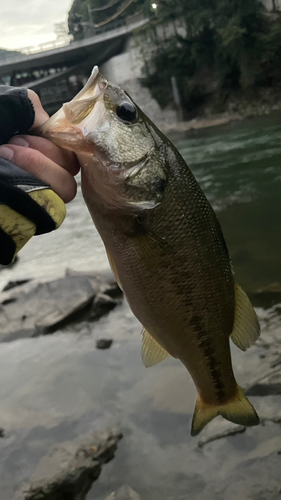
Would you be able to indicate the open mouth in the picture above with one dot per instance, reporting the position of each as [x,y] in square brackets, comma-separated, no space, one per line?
[82,105]
[95,85]
[64,127]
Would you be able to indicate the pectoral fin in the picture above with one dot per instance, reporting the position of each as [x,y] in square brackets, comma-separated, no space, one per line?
[246,328]
[152,353]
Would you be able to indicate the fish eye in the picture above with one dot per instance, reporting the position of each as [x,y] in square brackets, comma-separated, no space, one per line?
[126,111]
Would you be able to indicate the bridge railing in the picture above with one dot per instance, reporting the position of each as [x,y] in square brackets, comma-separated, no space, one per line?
[41,47]
[55,44]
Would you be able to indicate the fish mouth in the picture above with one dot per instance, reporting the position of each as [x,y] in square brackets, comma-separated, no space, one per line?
[94,87]
[66,127]
[84,102]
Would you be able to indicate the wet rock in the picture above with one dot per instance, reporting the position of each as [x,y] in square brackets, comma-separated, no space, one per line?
[273,389]
[267,296]
[69,471]
[1,432]
[102,305]
[103,343]
[124,493]
[14,284]
[267,385]
[112,290]
[8,301]
[218,429]
[46,307]
[276,362]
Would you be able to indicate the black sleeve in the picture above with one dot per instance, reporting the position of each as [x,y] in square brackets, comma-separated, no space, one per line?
[17,115]
[16,112]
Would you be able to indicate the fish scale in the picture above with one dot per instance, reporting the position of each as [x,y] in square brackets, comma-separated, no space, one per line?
[164,244]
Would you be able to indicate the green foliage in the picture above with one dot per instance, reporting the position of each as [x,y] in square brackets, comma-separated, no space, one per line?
[229,44]
[83,13]
[271,53]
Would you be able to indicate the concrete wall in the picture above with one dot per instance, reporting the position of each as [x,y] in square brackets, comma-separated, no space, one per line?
[269,4]
[125,66]
[126,70]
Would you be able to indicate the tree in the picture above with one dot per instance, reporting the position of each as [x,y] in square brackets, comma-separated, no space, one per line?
[228,44]
[61,30]
[89,13]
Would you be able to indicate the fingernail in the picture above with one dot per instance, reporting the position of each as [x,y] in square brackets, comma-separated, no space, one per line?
[6,153]
[19,141]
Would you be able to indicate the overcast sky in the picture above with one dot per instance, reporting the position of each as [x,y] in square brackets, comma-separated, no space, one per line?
[29,22]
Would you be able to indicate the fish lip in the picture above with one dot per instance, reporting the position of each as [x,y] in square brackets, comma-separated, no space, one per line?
[95,80]
[95,77]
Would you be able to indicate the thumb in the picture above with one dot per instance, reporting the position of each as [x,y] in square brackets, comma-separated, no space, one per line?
[40,114]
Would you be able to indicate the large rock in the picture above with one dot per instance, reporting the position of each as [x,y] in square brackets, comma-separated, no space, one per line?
[218,429]
[45,307]
[123,493]
[69,471]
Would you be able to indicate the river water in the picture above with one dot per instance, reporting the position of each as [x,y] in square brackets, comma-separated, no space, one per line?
[58,387]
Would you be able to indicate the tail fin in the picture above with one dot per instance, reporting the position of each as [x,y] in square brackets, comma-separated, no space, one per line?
[238,410]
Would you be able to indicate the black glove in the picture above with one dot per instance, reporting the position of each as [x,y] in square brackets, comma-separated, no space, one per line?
[27,205]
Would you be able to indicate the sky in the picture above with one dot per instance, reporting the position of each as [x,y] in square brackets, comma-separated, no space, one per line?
[30,22]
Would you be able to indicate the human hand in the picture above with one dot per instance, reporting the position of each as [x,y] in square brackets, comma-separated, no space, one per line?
[27,204]
[52,165]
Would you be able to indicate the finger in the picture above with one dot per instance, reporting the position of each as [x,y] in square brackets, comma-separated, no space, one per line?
[34,162]
[62,157]
[40,114]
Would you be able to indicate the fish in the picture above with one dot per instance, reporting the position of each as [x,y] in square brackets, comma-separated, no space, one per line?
[164,244]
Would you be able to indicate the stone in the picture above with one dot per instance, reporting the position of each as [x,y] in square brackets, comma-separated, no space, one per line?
[14,284]
[123,493]
[102,305]
[68,472]
[218,429]
[273,389]
[112,290]
[103,343]
[45,307]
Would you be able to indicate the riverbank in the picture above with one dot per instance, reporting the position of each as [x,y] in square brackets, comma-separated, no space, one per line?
[199,123]
[236,106]
[74,401]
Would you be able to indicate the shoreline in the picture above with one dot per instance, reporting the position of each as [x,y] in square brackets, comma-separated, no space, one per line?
[200,123]
[207,122]
[238,108]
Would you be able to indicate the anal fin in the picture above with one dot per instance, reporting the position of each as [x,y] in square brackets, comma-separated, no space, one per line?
[152,353]
[246,328]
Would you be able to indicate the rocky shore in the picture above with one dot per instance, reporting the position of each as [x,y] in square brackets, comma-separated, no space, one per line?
[199,123]
[69,471]
[29,309]
[77,313]
[237,107]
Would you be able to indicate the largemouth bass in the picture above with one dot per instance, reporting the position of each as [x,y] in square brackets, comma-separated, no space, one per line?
[164,244]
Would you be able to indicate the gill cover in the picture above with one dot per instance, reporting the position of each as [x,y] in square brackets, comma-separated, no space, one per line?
[113,143]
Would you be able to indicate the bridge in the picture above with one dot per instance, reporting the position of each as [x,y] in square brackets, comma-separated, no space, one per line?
[57,70]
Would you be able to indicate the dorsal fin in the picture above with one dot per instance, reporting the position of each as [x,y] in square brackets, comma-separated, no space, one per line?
[246,328]
[152,353]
